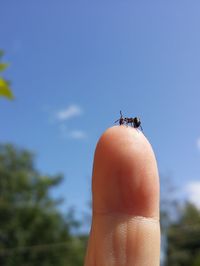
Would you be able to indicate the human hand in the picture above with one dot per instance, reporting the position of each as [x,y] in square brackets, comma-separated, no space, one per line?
[125,227]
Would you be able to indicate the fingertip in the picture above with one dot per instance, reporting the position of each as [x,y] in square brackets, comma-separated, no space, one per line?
[125,177]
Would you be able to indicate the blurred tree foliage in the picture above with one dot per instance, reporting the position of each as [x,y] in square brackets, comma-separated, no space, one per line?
[32,230]
[5,90]
[184,239]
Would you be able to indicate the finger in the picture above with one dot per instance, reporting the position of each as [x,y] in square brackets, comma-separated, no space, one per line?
[125,224]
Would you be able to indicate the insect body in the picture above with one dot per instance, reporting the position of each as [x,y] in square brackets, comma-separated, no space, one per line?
[133,121]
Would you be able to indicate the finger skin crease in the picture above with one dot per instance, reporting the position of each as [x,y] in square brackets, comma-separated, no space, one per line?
[123,239]
[128,216]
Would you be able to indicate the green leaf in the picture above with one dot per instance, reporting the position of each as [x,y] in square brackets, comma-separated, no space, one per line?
[3,66]
[5,90]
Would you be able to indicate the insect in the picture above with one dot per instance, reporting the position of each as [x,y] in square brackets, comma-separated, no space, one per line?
[121,120]
[134,121]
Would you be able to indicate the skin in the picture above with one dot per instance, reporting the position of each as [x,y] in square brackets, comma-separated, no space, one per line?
[125,228]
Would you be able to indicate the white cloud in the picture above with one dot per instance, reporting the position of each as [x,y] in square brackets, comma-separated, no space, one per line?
[72,134]
[69,112]
[193,192]
[77,134]
[198,143]
[61,117]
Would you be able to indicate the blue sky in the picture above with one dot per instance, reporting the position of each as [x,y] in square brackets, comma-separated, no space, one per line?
[75,64]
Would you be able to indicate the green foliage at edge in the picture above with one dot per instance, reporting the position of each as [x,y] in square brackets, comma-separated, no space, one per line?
[5,90]
[184,239]
[33,232]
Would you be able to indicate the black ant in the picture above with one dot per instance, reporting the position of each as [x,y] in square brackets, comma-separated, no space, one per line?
[134,121]
[121,120]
